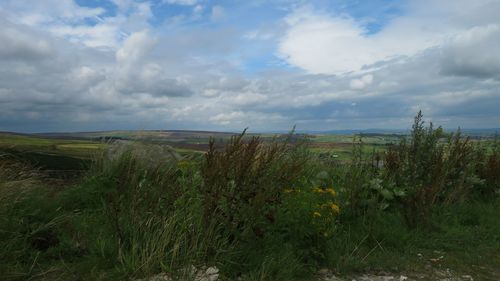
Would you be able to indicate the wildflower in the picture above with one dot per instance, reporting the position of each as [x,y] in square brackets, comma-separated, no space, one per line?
[335,208]
[316,214]
[317,190]
[331,191]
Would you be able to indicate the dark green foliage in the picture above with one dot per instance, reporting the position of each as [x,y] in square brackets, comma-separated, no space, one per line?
[488,168]
[355,179]
[242,185]
[428,171]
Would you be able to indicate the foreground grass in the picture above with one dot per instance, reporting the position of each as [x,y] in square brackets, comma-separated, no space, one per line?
[66,235]
[467,241]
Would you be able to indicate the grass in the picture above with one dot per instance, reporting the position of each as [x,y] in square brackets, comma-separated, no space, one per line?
[87,247]
[256,209]
[72,148]
[467,239]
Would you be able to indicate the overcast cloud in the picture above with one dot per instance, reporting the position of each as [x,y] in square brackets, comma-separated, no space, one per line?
[225,65]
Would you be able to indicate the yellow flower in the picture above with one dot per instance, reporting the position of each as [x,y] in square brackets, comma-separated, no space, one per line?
[316,214]
[335,208]
[331,191]
[288,190]
[317,190]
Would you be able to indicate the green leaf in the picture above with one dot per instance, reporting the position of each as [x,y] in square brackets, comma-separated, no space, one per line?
[387,194]
[323,175]
[399,193]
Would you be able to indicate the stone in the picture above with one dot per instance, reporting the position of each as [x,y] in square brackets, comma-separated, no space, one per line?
[157,277]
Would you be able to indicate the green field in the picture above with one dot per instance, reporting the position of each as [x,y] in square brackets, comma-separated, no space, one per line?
[84,145]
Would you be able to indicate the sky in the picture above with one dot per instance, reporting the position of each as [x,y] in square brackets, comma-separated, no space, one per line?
[86,65]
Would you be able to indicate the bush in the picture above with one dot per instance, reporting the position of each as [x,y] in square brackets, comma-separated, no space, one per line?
[488,168]
[243,184]
[155,214]
[426,171]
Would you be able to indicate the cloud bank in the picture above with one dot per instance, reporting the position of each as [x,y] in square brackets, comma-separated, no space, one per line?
[203,65]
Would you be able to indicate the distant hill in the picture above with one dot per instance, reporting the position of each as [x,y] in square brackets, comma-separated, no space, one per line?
[468,132]
[178,135]
[131,134]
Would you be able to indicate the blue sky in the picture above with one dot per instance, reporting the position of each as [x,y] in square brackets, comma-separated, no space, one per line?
[71,65]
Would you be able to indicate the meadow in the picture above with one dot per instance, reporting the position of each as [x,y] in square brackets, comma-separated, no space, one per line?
[257,207]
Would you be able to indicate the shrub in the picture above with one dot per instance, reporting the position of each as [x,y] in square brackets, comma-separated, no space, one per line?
[356,179]
[155,214]
[488,168]
[306,219]
[427,171]
[243,184]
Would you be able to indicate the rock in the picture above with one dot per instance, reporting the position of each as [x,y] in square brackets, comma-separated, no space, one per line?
[376,278]
[212,270]
[208,274]
[201,274]
[157,277]
[327,275]
[403,278]
[331,278]
[324,271]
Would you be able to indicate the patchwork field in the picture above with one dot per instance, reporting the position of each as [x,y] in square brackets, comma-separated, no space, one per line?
[83,145]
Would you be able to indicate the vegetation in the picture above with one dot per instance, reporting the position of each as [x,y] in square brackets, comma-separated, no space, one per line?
[258,209]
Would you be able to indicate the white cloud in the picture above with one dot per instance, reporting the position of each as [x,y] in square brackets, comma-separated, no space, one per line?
[135,47]
[227,118]
[34,13]
[198,9]
[68,20]
[217,13]
[361,83]
[330,44]
[241,119]
[248,98]
[473,52]
[18,44]
[181,2]
[322,43]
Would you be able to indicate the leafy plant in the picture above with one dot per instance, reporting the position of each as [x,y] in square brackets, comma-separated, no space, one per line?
[243,184]
[427,170]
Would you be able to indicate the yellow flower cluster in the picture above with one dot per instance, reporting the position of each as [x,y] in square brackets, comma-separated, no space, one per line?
[330,191]
[334,207]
